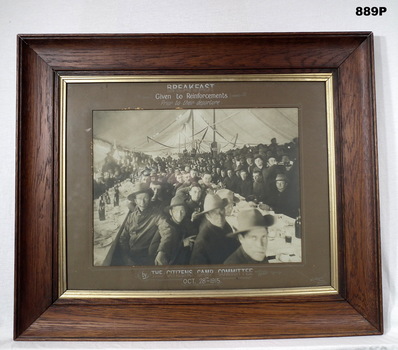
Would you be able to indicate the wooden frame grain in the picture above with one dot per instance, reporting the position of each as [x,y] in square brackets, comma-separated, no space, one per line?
[41,315]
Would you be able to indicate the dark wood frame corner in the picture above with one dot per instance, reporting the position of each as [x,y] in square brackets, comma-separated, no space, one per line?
[41,315]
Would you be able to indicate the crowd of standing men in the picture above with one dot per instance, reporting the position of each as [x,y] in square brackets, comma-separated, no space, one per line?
[179,207]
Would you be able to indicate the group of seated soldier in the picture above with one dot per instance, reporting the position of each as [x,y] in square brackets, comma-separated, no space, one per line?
[178,210]
[119,166]
[152,235]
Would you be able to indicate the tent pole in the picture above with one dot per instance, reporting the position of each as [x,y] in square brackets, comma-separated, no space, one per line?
[214,125]
[193,130]
[236,139]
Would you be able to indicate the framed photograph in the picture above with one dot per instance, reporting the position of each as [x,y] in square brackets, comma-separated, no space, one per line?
[198,160]
[163,177]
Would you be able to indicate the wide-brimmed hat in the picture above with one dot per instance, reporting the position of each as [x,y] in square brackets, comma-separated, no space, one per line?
[139,188]
[228,194]
[250,219]
[175,202]
[213,201]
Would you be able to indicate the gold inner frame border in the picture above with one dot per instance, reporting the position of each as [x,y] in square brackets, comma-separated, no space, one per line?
[327,78]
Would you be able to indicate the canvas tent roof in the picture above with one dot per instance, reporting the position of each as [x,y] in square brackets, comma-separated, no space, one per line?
[164,132]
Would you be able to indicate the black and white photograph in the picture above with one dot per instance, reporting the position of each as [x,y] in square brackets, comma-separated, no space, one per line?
[196,187]
[204,175]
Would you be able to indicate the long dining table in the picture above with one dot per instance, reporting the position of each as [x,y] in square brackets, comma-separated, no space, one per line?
[280,248]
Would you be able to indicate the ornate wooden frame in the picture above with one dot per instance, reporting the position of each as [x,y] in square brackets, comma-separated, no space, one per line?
[41,315]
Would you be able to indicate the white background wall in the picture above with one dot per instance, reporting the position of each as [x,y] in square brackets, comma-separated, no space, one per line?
[179,16]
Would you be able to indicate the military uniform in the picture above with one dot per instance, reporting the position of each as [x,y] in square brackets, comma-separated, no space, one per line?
[144,235]
[239,256]
[212,246]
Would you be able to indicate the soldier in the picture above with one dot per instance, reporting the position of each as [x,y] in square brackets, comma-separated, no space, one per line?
[282,198]
[182,229]
[212,245]
[146,238]
[252,235]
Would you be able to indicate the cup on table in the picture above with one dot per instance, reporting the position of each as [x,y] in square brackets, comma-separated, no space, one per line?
[288,237]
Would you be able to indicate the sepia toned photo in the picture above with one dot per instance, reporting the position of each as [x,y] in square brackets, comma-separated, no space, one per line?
[196,187]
